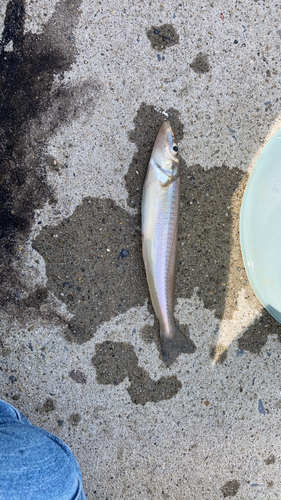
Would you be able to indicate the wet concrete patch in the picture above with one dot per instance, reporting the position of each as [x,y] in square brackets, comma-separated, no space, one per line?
[200,64]
[114,361]
[162,36]
[230,488]
[205,236]
[257,334]
[94,264]
[32,108]
[78,376]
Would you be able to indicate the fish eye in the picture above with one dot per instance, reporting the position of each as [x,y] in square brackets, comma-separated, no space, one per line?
[175,148]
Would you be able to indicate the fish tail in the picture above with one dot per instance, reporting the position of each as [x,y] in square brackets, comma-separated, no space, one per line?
[175,345]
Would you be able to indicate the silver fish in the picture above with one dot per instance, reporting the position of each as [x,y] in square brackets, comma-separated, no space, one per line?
[160,215]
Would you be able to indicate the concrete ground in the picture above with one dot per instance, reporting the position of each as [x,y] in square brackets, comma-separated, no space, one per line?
[85,86]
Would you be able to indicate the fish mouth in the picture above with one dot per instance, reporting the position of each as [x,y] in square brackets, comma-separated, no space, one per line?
[166,141]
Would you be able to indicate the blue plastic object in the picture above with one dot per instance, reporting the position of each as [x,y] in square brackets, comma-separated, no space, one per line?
[260,227]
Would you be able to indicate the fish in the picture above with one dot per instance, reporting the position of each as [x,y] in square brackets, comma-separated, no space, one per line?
[160,218]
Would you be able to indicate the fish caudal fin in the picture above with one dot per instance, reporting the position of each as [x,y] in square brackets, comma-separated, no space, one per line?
[176,345]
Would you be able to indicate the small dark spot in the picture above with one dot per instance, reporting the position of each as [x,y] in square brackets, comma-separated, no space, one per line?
[12,378]
[78,376]
[235,41]
[230,488]
[124,253]
[270,460]
[240,353]
[30,346]
[270,484]
[162,36]
[74,418]
[200,64]
[175,148]
[16,397]
[48,406]
[60,423]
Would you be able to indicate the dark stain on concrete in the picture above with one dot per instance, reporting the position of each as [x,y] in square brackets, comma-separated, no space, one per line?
[32,108]
[270,460]
[200,64]
[74,418]
[205,235]
[114,361]
[48,406]
[78,376]
[270,484]
[162,36]
[230,488]
[257,334]
[96,284]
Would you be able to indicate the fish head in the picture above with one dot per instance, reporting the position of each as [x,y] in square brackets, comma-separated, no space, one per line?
[165,149]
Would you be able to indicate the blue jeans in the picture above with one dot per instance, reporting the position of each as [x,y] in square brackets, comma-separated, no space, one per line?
[34,464]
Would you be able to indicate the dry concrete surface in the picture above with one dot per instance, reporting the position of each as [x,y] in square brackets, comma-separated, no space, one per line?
[85,86]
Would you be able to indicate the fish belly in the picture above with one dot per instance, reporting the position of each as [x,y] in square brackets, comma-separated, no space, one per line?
[160,235]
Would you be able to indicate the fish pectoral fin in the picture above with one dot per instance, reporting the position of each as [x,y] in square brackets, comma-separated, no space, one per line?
[176,345]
